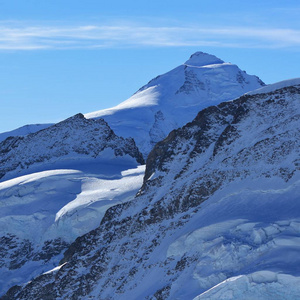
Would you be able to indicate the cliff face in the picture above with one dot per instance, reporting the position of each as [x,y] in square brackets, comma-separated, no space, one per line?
[220,199]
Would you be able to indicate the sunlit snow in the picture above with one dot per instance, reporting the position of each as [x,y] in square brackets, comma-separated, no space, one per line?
[276,86]
[171,100]
[61,203]
[64,203]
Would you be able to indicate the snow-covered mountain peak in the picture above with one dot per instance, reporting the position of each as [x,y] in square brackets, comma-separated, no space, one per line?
[171,100]
[200,59]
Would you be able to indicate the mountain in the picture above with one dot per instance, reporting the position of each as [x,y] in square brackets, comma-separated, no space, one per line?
[73,139]
[56,185]
[24,130]
[57,180]
[171,100]
[217,216]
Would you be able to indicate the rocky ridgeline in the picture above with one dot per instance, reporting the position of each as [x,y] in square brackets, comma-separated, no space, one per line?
[212,173]
[75,138]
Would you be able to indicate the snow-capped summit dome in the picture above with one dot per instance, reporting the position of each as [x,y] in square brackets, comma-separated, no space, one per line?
[172,99]
[202,59]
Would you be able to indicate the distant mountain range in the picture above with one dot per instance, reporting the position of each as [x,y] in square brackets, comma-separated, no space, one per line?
[171,100]
[214,214]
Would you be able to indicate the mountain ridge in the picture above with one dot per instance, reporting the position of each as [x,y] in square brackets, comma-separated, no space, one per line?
[54,143]
[224,185]
[172,99]
[215,213]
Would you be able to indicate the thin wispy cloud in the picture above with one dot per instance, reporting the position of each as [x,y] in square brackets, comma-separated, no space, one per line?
[18,37]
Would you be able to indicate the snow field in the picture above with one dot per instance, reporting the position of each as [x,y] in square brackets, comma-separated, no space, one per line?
[59,204]
[255,286]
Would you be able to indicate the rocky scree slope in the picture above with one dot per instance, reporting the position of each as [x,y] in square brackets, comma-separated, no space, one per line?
[220,199]
[171,100]
[72,139]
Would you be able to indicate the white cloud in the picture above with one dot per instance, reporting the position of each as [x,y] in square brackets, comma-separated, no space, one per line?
[22,37]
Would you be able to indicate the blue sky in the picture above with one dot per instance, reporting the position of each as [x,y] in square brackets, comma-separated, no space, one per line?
[61,57]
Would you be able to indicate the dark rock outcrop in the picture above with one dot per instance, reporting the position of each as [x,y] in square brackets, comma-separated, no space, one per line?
[151,247]
[74,138]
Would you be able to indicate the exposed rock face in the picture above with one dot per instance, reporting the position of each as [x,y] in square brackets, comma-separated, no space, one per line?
[44,211]
[15,252]
[220,198]
[73,139]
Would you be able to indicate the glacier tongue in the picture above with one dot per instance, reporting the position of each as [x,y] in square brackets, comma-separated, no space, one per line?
[56,185]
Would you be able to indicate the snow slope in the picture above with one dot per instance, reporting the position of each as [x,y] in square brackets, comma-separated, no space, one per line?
[276,86]
[42,213]
[24,130]
[171,100]
[217,215]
